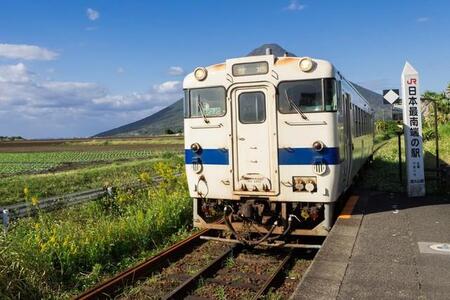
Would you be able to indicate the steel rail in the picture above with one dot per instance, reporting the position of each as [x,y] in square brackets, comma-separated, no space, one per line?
[187,286]
[115,285]
[184,289]
[276,275]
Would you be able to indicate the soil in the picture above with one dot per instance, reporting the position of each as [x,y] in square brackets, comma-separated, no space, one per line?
[59,146]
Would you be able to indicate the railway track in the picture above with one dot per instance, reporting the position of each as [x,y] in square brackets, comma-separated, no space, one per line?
[200,269]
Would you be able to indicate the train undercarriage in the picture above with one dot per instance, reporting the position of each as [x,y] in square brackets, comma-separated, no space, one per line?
[254,221]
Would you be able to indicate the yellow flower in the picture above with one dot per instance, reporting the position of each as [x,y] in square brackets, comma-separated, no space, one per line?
[37,226]
[34,200]
[145,177]
[26,191]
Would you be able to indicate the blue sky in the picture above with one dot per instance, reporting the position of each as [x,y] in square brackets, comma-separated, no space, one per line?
[75,68]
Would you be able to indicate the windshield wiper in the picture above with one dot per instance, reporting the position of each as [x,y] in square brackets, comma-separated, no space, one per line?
[200,107]
[297,109]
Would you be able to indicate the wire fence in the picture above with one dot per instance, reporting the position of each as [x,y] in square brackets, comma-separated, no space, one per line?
[27,209]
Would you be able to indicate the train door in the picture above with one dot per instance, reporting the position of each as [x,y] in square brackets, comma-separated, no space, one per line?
[347,164]
[255,155]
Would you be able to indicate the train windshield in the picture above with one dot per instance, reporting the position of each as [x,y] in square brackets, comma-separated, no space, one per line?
[307,95]
[207,102]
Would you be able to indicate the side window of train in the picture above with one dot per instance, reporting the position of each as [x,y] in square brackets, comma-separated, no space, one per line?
[330,94]
[353,120]
[340,95]
[359,121]
[186,103]
[207,102]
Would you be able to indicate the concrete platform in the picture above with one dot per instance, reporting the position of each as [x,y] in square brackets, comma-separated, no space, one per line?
[381,250]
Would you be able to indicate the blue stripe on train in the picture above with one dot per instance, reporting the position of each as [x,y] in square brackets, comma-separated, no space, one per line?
[291,156]
[307,156]
[207,156]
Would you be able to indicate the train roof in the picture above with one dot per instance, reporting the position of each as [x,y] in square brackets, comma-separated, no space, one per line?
[282,68]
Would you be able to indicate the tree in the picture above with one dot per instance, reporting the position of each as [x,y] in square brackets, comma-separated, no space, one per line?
[442,104]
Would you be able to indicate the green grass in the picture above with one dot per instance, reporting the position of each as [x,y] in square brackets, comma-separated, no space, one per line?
[46,185]
[14,163]
[383,173]
[59,254]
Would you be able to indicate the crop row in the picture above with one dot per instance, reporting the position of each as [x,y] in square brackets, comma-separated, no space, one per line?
[13,163]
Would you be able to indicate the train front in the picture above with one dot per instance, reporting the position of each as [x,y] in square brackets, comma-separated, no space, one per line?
[261,146]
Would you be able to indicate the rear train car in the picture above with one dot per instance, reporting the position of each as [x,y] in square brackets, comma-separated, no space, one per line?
[271,143]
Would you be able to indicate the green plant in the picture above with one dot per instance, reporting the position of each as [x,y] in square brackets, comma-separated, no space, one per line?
[47,185]
[230,262]
[220,293]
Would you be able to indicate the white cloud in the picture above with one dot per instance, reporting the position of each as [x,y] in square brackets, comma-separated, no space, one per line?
[422,19]
[26,52]
[71,108]
[295,5]
[120,70]
[92,14]
[168,87]
[14,73]
[176,71]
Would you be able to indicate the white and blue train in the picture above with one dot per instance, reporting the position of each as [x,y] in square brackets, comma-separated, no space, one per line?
[272,143]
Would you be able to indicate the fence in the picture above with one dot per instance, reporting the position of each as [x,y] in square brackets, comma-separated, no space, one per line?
[26,209]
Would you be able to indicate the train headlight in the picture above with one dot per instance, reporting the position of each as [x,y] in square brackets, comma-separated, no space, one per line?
[306,64]
[196,148]
[200,73]
[318,146]
[310,186]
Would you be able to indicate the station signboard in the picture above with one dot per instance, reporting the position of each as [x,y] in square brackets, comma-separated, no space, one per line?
[412,128]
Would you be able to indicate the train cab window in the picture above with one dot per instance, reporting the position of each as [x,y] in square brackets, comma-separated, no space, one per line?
[207,102]
[330,94]
[305,94]
[252,108]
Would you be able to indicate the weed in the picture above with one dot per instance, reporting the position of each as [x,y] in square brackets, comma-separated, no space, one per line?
[220,293]
[230,262]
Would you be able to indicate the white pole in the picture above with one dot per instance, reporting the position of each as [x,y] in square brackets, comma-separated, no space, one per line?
[412,127]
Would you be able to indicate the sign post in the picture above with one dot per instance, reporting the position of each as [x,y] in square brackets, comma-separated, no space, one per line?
[412,129]
[391,95]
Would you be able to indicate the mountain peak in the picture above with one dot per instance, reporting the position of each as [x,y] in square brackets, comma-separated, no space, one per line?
[277,50]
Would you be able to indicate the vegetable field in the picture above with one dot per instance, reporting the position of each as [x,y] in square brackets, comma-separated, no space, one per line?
[36,162]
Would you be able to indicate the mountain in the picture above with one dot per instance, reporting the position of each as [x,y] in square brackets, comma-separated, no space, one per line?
[277,50]
[171,117]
